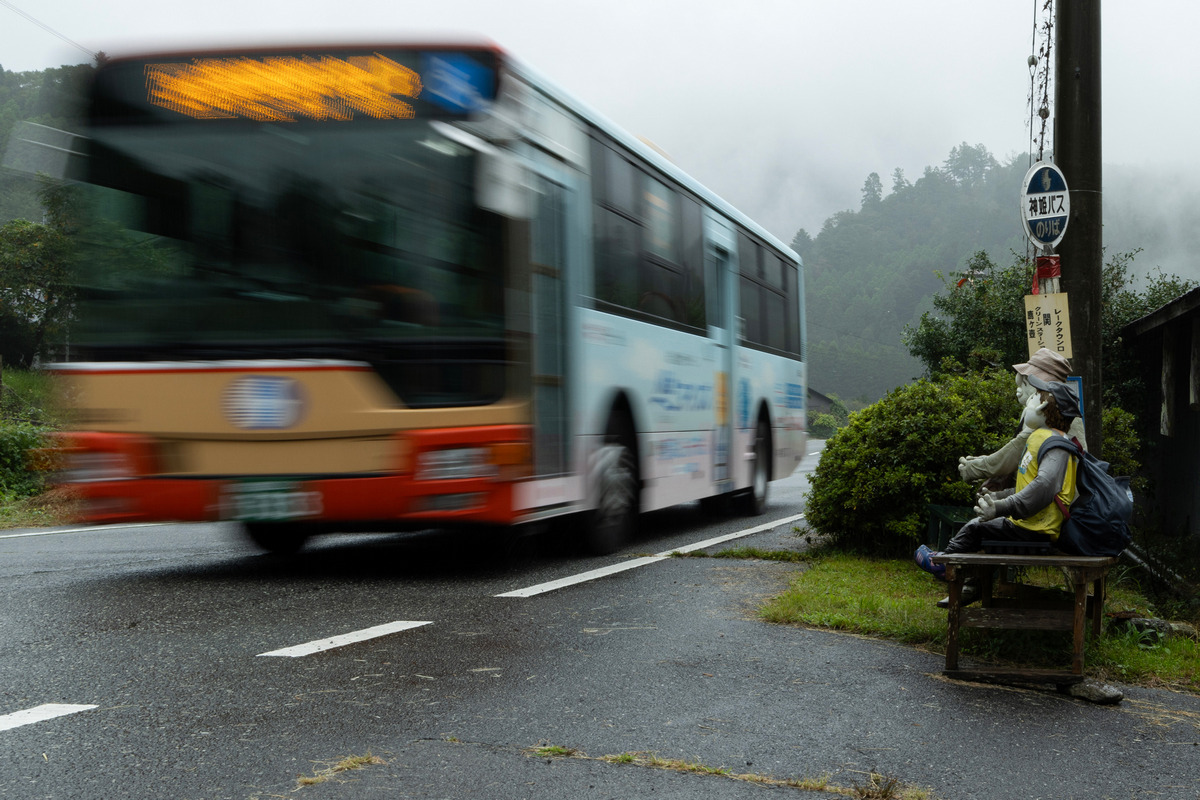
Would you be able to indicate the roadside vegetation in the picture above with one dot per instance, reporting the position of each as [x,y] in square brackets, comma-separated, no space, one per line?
[881,471]
[891,598]
[27,414]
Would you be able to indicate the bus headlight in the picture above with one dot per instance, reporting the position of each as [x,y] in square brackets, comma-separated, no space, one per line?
[455,463]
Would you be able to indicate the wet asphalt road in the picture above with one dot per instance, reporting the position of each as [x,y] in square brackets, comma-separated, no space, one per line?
[162,630]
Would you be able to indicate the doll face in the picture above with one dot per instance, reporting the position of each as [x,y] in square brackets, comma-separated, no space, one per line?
[1024,390]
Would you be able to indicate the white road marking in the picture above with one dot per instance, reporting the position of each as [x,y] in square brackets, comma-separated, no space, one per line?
[39,714]
[90,529]
[766,526]
[583,577]
[344,639]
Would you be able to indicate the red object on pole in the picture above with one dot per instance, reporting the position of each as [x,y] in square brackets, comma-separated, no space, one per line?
[1047,267]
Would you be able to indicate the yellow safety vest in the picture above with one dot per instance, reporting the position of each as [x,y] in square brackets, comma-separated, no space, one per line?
[1049,520]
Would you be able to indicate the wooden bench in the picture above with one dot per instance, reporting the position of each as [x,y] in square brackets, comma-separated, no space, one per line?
[1025,611]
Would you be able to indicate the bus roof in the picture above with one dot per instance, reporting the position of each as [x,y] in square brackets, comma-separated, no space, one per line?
[650,153]
[568,101]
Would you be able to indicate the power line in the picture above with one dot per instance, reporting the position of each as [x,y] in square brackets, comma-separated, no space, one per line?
[46,27]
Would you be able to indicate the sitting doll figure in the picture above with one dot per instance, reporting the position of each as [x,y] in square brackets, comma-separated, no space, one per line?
[1047,366]
[1029,512]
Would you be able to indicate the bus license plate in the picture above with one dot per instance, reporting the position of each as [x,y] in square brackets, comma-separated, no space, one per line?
[268,501]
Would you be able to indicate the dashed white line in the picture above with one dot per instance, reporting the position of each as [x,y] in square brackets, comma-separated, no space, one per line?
[39,714]
[344,639]
[766,526]
[583,577]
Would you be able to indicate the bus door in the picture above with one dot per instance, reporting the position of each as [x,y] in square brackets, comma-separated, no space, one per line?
[721,330]
[551,437]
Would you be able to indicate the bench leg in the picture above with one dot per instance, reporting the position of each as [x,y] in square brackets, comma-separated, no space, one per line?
[1081,588]
[954,577]
[1098,593]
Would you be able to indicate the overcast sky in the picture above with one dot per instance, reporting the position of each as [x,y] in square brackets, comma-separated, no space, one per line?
[783,107]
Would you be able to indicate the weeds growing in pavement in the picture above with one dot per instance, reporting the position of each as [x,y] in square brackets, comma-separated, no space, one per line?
[877,787]
[346,764]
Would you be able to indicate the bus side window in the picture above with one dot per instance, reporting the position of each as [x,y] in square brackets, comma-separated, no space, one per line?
[694,310]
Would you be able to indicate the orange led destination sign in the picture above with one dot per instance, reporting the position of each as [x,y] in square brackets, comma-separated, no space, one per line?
[285,88]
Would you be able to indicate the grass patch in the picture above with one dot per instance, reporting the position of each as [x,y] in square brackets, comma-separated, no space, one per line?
[869,596]
[347,764]
[51,508]
[787,556]
[554,751]
[895,600]
[1144,658]
[29,396]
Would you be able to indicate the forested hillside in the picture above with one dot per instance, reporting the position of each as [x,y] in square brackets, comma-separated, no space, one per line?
[872,271]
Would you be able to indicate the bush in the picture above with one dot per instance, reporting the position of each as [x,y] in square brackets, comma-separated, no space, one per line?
[16,479]
[822,425]
[877,475]
[1121,444]
[27,396]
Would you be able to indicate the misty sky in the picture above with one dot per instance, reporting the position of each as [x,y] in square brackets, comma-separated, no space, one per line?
[783,107]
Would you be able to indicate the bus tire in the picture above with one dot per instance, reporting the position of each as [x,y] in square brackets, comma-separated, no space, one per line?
[615,485]
[753,501]
[277,538]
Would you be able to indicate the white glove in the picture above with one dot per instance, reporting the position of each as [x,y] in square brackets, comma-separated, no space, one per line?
[1034,415]
[964,466]
[985,508]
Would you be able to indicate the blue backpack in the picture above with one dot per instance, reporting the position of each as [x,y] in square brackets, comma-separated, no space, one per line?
[1097,522]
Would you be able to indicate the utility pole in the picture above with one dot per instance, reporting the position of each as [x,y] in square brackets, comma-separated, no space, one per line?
[1077,154]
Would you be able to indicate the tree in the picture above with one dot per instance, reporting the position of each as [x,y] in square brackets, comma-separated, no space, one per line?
[970,165]
[872,191]
[899,182]
[976,322]
[802,243]
[34,281]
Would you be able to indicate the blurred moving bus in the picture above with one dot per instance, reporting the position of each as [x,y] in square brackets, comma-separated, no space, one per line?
[402,286]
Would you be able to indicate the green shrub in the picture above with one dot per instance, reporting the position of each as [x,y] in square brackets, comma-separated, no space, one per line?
[1121,443]
[823,425]
[27,396]
[16,479]
[877,475]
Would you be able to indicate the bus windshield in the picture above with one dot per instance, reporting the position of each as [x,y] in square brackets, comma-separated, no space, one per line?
[348,240]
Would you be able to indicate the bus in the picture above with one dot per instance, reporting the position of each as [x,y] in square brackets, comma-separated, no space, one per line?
[411,286]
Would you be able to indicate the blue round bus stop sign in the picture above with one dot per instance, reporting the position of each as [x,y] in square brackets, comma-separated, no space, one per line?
[1045,205]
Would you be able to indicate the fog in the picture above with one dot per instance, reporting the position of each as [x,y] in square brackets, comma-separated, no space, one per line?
[783,107]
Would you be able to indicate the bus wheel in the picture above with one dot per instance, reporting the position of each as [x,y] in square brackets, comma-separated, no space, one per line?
[276,537]
[614,519]
[753,501]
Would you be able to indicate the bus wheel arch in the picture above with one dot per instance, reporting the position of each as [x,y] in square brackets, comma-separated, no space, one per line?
[614,483]
[752,501]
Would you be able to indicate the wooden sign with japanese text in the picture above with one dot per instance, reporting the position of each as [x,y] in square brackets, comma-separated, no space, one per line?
[1048,323]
